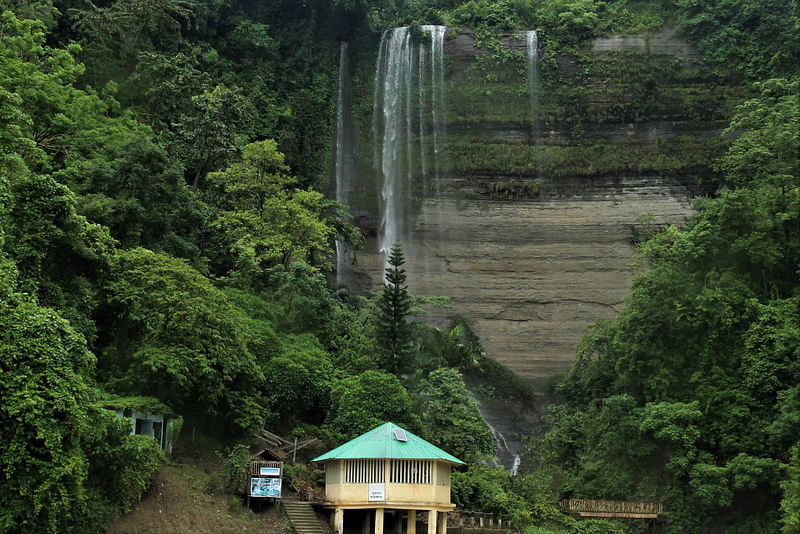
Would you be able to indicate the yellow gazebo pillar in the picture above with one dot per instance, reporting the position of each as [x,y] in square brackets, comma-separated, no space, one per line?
[338,521]
[411,524]
[433,515]
[379,521]
[443,523]
[367,523]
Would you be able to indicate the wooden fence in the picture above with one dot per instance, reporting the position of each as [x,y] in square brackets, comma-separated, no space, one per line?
[614,509]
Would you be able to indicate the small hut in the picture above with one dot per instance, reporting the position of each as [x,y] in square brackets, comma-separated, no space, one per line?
[148,416]
[390,471]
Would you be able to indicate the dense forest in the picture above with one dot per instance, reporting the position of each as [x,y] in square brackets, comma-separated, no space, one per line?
[166,236]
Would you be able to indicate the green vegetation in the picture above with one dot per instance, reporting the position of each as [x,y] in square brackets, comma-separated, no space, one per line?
[688,395]
[165,244]
[755,37]
[265,218]
[394,305]
[670,157]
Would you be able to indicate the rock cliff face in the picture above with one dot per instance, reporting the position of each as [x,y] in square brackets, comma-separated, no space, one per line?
[532,275]
[531,229]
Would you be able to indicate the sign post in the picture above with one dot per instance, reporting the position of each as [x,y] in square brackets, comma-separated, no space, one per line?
[377,492]
[265,480]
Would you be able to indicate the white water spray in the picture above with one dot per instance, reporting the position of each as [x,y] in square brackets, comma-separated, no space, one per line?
[532,48]
[344,169]
[404,77]
[503,450]
[437,91]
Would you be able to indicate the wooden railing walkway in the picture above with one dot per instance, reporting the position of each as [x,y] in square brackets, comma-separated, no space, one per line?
[613,509]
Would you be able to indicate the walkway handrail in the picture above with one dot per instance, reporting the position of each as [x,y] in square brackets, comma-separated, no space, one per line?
[612,507]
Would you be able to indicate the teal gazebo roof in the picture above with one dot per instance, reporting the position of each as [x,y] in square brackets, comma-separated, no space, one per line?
[386,441]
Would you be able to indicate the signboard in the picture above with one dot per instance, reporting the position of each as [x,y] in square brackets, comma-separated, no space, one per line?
[265,487]
[377,492]
[269,471]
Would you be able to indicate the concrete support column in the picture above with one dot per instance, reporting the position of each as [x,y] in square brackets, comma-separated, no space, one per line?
[379,521]
[432,517]
[338,520]
[367,523]
[442,523]
[411,524]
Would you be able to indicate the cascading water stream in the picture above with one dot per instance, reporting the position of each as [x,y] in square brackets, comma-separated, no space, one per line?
[532,49]
[345,166]
[437,91]
[404,77]
[509,457]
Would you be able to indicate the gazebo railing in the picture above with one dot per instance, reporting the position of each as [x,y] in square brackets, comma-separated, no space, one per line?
[466,519]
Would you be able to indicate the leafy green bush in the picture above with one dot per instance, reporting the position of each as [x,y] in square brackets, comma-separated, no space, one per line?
[44,420]
[298,381]
[495,14]
[360,403]
[567,23]
[450,418]
[790,504]
[755,37]
[235,466]
[486,489]
[173,335]
[123,466]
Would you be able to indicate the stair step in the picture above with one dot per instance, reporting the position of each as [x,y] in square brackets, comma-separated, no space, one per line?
[302,517]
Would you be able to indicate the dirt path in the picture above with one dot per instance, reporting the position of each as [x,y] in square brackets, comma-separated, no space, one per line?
[178,503]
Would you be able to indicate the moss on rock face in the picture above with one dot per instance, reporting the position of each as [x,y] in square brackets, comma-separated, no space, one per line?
[606,111]
[640,104]
[661,156]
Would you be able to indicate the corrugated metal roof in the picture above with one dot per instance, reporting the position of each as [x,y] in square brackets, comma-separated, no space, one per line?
[381,442]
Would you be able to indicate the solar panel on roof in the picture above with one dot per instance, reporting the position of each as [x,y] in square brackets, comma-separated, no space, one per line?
[400,434]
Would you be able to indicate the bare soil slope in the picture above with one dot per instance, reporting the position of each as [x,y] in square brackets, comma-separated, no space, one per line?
[179,502]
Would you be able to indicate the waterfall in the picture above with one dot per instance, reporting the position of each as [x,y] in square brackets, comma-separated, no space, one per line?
[345,165]
[409,74]
[532,48]
[437,91]
[504,452]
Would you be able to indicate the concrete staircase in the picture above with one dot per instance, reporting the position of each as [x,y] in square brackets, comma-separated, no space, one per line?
[303,518]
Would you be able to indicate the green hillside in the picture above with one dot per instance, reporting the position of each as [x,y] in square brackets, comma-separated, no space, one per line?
[167,231]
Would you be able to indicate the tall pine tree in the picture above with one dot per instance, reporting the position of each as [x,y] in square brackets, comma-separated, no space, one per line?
[394,305]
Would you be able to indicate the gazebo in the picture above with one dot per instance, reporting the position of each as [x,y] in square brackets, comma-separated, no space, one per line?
[388,470]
